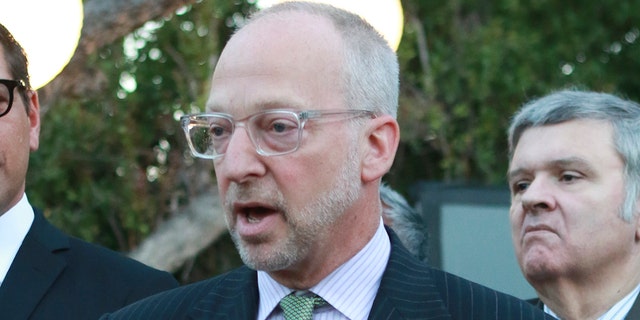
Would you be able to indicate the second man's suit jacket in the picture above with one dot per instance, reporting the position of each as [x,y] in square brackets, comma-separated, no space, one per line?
[55,276]
[409,290]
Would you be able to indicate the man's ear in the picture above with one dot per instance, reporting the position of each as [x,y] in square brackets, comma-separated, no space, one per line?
[34,120]
[636,218]
[382,138]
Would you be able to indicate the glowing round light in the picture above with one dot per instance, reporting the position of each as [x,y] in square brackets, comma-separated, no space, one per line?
[384,15]
[48,30]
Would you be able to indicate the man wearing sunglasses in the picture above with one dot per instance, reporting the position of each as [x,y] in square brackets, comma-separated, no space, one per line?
[45,274]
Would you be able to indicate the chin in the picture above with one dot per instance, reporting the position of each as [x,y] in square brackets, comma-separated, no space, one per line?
[539,270]
[538,262]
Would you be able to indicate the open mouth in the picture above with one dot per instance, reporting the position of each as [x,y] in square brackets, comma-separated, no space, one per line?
[256,220]
[253,214]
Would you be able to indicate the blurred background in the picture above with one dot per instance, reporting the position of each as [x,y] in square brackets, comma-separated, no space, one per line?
[113,166]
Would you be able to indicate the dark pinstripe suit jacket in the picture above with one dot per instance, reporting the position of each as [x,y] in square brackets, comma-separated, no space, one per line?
[409,290]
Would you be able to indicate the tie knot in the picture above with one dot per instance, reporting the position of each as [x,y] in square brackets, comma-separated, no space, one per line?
[301,307]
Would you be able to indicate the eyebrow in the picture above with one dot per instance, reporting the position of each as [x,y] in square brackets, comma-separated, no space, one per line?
[563,163]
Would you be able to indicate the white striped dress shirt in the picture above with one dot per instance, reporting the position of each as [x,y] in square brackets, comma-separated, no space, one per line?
[349,290]
[617,312]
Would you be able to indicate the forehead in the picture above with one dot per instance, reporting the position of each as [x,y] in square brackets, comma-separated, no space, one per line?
[4,68]
[291,58]
[586,139]
[292,36]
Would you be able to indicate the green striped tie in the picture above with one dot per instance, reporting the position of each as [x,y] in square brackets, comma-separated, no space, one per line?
[300,307]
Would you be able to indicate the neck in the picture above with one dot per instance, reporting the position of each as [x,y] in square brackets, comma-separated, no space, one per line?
[343,240]
[587,298]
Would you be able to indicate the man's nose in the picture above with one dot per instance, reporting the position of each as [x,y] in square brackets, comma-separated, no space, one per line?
[240,160]
[539,196]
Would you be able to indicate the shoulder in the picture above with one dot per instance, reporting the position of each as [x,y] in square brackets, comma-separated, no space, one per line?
[110,272]
[101,259]
[465,298]
[82,258]
[172,304]
[102,279]
[178,303]
[433,291]
[122,279]
[98,267]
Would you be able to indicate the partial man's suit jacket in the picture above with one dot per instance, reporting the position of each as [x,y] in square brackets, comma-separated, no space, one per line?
[409,290]
[55,276]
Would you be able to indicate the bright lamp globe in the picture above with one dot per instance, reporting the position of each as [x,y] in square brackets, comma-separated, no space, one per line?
[48,30]
[384,15]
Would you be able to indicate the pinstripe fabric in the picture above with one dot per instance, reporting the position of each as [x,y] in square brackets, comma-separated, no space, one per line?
[350,289]
[233,295]
[409,290]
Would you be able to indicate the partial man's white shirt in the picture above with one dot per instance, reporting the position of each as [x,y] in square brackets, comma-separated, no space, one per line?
[14,226]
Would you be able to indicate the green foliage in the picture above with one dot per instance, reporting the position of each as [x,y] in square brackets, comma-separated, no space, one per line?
[108,166]
[488,58]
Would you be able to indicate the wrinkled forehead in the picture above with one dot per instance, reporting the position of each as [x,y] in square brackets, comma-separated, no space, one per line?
[581,138]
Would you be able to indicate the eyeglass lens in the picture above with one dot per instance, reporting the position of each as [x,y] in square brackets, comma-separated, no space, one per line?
[272,133]
[6,98]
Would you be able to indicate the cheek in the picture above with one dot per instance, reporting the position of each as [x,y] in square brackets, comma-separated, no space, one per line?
[596,212]
[302,179]
[222,183]
[295,180]
[515,219]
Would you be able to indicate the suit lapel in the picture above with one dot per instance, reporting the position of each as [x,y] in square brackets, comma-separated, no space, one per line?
[235,297]
[407,289]
[33,270]
[634,313]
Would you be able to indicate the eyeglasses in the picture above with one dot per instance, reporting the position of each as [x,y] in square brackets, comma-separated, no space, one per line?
[272,132]
[6,94]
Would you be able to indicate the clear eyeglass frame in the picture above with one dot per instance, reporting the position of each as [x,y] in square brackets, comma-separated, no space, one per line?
[7,96]
[272,132]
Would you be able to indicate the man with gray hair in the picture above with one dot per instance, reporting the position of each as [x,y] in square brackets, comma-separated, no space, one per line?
[574,176]
[301,126]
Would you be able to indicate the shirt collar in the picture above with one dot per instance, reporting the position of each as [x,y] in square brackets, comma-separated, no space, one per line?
[350,289]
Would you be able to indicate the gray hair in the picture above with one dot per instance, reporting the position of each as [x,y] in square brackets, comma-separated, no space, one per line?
[371,70]
[406,221]
[566,105]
